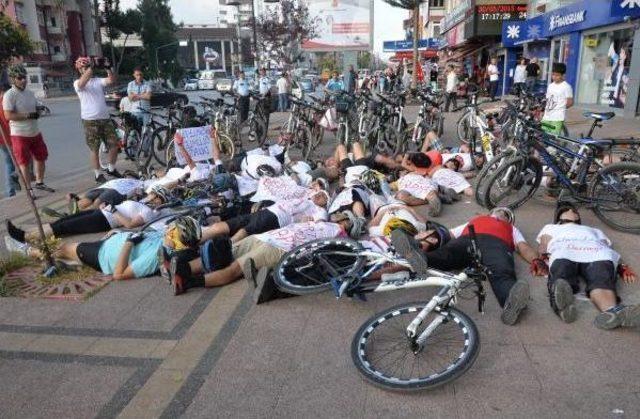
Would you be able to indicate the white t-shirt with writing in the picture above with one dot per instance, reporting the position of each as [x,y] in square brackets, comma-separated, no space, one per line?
[492,69]
[123,186]
[294,235]
[279,188]
[449,179]
[578,243]
[92,103]
[345,198]
[417,185]
[131,210]
[294,210]
[557,95]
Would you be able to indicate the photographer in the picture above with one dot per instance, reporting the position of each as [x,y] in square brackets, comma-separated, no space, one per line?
[95,114]
[19,104]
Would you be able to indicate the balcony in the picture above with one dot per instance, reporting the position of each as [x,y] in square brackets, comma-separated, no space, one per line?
[58,57]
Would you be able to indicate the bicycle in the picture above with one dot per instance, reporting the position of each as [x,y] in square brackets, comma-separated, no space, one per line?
[400,333]
[128,135]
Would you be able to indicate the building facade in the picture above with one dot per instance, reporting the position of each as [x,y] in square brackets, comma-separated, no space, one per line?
[61,32]
[208,48]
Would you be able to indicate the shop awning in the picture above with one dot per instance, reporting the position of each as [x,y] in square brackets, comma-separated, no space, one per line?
[462,52]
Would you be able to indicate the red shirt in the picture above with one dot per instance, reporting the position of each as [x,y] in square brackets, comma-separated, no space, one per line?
[486,224]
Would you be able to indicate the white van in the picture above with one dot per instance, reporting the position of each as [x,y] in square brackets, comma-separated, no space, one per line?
[207,79]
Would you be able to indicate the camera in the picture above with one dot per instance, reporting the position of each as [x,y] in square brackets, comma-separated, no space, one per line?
[100,63]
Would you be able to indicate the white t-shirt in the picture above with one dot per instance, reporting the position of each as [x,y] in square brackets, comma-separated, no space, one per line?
[452,82]
[450,179]
[92,103]
[294,210]
[282,85]
[517,234]
[279,188]
[22,101]
[465,158]
[131,210]
[251,163]
[125,104]
[123,186]
[353,174]
[345,198]
[417,185]
[578,243]
[557,95]
[199,172]
[294,235]
[492,69]
[397,212]
[520,75]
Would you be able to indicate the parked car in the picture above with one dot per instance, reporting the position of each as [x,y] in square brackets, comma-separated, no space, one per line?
[224,85]
[307,85]
[191,84]
[160,96]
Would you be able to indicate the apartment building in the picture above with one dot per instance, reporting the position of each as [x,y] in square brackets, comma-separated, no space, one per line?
[61,31]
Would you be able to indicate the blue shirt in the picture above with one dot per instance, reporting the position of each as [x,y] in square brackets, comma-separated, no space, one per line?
[143,258]
[335,85]
[264,85]
[241,86]
[138,89]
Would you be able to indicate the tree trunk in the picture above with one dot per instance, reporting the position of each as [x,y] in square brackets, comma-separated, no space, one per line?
[124,49]
[416,38]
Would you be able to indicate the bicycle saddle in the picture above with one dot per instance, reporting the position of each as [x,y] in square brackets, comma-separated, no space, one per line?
[600,116]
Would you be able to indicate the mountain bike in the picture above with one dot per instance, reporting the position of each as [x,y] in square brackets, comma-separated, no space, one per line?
[128,138]
[411,346]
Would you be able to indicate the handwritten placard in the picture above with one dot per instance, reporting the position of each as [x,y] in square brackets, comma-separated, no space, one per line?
[197,142]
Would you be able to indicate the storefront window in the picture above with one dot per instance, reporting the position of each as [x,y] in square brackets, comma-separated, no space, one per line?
[604,73]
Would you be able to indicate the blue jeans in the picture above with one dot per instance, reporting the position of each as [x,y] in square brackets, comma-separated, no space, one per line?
[9,172]
[283,102]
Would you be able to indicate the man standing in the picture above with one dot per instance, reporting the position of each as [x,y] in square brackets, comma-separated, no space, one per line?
[139,93]
[349,80]
[559,99]
[10,176]
[494,75]
[19,105]
[283,91]
[533,72]
[451,88]
[95,116]
[241,88]
[264,88]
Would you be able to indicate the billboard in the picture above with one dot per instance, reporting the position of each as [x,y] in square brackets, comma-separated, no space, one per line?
[210,55]
[341,25]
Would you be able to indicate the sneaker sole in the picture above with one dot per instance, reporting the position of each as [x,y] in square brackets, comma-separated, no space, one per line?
[403,245]
[628,318]
[247,272]
[632,317]
[177,288]
[563,295]
[516,302]
[261,280]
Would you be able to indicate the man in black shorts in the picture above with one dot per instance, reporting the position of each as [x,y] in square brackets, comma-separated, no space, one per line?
[575,250]
[112,193]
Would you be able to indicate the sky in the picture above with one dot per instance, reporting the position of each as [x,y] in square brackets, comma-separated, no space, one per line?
[387,24]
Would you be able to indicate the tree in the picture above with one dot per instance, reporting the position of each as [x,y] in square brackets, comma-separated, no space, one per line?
[282,29]
[158,37]
[118,23]
[365,60]
[14,41]
[414,6]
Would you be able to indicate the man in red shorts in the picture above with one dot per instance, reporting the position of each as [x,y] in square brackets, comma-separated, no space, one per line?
[19,106]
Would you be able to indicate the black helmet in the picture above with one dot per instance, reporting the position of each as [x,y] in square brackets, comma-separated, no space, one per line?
[264,170]
[443,233]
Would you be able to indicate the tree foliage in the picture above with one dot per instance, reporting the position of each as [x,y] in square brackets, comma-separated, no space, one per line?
[14,41]
[282,29]
[118,24]
[405,4]
[158,30]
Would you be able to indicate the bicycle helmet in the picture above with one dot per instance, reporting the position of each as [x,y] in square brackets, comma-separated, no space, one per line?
[397,223]
[17,70]
[161,192]
[511,218]
[264,170]
[371,179]
[562,208]
[442,232]
[356,225]
[189,230]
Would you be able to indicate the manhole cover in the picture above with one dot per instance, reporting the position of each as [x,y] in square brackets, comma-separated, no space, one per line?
[78,285]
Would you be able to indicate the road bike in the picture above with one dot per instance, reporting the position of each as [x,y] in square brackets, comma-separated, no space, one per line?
[411,346]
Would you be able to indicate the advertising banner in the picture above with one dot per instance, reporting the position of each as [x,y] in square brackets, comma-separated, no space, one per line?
[210,52]
[407,45]
[625,8]
[341,25]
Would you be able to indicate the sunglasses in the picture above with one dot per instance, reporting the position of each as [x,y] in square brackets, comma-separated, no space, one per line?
[19,77]
[566,221]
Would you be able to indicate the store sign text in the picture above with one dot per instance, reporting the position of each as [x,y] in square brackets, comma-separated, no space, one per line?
[502,12]
[559,21]
[455,16]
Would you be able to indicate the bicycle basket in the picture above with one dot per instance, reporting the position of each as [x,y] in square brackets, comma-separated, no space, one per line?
[342,105]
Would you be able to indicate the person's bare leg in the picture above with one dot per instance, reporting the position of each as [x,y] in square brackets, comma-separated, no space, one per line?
[93,158]
[358,151]
[358,209]
[386,161]
[428,140]
[409,199]
[603,299]
[217,229]
[223,276]
[341,153]
[215,147]
[27,174]
[113,154]
[39,166]
[241,234]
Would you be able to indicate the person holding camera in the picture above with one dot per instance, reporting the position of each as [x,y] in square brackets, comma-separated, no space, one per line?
[19,105]
[95,114]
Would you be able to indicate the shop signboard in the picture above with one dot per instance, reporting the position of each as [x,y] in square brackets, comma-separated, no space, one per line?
[489,17]
[518,32]
[210,55]
[580,16]
[407,45]
[455,16]
[455,36]
[340,25]
[625,8]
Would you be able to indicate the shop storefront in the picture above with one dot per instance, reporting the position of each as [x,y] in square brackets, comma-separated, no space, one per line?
[595,39]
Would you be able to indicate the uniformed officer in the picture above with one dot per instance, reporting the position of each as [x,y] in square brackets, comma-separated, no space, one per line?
[241,88]
[264,86]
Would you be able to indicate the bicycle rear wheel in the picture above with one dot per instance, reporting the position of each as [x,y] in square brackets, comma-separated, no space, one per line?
[514,183]
[308,269]
[615,193]
[485,173]
[387,358]
[464,129]
[160,138]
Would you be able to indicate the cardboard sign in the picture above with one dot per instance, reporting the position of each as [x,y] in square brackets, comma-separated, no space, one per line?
[197,143]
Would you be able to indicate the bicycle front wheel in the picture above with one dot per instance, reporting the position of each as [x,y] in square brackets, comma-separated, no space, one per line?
[463,129]
[387,358]
[514,183]
[615,194]
[485,173]
[160,138]
[308,269]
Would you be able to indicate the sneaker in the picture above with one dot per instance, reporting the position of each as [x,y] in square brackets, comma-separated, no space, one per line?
[178,282]
[15,232]
[100,179]
[435,207]
[165,264]
[516,302]
[114,173]
[409,249]
[73,203]
[43,187]
[250,273]
[562,301]
[15,246]
[618,316]
[266,288]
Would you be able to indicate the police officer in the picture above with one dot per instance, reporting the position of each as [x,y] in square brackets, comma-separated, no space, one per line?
[264,87]
[241,88]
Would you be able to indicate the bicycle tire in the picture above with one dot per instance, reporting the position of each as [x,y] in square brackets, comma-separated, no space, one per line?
[440,129]
[630,197]
[463,129]
[226,145]
[519,171]
[287,272]
[131,139]
[485,173]
[160,138]
[460,362]
[341,134]
[103,156]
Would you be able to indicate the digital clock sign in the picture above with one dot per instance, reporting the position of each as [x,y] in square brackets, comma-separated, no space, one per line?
[492,12]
